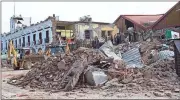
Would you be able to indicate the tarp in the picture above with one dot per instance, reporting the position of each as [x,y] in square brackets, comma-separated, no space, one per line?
[107,49]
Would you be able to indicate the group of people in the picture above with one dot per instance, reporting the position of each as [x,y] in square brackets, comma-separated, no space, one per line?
[95,43]
[117,39]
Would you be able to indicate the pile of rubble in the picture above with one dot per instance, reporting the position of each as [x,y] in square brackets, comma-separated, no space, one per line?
[5,64]
[60,72]
[88,66]
[159,78]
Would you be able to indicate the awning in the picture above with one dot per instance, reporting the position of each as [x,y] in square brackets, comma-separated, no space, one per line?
[107,29]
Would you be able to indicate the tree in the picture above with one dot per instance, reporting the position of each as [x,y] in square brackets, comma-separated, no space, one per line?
[86,18]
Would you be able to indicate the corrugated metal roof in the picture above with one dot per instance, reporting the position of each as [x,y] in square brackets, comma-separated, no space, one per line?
[133,57]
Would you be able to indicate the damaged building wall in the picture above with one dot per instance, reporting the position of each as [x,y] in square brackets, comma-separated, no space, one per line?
[66,31]
[122,25]
[112,28]
[82,27]
[53,20]
[94,29]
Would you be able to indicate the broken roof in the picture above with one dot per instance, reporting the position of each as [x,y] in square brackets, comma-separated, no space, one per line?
[141,20]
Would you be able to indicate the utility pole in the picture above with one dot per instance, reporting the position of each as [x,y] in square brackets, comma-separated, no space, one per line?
[14,8]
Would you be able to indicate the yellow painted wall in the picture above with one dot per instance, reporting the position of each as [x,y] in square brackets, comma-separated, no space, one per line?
[83,27]
[114,29]
[66,33]
[97,28]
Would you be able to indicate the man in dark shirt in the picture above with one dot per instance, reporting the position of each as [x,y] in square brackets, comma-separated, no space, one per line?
[118,38]
[95,43]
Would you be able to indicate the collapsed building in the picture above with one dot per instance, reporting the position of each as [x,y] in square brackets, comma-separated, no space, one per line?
[38,36]
[139,23]
[102,68]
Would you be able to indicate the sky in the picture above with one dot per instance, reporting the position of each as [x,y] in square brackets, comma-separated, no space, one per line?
[71,11]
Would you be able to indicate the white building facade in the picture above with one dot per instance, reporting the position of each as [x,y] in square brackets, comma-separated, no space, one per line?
[34,36]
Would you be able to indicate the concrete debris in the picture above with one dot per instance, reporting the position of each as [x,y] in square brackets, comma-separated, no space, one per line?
[108,50]
[168,93]
[177,90]
[5,64]
[166,54]
[127,80]
[86,66]
[119,64]
[112,83]
[95,78]
[158,94]
[57,73]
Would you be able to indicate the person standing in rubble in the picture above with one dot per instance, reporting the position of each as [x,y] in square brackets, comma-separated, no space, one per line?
[95,43]
[118,39]
[112,39]
[115,39]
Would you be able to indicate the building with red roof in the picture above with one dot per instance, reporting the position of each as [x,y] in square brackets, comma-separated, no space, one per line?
[138,22]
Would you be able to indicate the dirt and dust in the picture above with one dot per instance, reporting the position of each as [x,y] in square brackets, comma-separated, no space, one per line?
[66,72]
[60,72]
[5,64]
[159,76]
[114,91]
[146,50]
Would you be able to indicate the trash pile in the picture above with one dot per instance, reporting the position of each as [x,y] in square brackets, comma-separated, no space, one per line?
[136,68]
